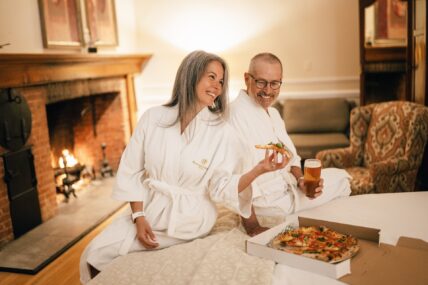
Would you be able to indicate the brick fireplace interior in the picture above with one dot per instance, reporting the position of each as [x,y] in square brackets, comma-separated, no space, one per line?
[81,125]
[78,102]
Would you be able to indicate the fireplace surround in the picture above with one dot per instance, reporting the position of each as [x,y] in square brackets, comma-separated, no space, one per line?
[98,89]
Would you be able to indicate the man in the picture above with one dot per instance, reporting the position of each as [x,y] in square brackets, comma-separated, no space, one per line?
[280,192]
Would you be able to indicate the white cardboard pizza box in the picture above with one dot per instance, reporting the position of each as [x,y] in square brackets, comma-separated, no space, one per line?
[374,264]
[403,263]
[257,246]
[380,263]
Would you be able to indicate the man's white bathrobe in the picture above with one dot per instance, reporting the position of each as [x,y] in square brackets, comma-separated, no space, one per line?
[178,177]
[276,193]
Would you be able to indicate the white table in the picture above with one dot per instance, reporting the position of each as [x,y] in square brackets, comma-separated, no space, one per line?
[395,214]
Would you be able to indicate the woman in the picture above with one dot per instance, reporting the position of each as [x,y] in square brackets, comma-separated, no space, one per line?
[180,161]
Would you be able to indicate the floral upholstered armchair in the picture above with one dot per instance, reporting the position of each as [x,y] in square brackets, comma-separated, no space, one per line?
[387,145]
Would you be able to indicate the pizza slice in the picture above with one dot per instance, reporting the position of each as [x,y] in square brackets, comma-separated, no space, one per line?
[279,147]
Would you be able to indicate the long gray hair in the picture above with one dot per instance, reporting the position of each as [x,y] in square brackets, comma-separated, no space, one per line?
[188,76]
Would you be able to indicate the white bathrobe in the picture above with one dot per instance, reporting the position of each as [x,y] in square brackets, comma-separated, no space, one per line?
[178,177]
[276,193]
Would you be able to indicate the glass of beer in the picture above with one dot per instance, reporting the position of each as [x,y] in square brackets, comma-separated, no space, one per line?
[312,175]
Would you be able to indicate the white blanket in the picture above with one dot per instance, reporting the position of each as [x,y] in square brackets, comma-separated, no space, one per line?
[216,259]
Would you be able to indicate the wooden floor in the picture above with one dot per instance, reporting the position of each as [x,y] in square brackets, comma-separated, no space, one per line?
[63,270]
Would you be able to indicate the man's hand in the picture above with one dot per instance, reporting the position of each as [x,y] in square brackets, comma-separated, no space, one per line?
[318,190]
[145,234]
[272,162]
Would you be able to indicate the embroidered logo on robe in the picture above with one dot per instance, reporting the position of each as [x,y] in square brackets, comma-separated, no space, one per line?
[202,164]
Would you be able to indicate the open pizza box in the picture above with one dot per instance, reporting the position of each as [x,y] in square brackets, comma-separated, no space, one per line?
[404,263]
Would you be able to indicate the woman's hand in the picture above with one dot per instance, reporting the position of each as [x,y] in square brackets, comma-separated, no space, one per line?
[318,190]
[145,234]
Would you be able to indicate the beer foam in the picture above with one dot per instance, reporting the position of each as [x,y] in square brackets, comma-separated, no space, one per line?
[312,163]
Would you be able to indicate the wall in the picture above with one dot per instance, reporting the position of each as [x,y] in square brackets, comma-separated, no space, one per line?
[316,39]
[20,26]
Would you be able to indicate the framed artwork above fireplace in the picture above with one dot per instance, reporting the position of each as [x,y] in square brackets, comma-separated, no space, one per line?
[78,23]
[101,22]
[61,23]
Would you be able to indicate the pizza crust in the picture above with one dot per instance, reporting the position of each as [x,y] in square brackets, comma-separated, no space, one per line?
[282,150]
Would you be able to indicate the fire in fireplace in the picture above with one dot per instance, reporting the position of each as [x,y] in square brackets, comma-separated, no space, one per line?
[68,174]
[78,129]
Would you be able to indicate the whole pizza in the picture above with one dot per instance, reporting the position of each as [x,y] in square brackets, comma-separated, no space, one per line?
[317,242]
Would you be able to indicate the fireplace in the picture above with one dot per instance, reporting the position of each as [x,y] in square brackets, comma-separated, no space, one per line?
[82,103]
[81,132]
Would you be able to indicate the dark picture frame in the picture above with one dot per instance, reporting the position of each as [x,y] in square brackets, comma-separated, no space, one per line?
[61,23]
[101,22]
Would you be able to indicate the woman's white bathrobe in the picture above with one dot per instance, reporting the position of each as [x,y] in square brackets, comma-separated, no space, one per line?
[178,177]
[276,193]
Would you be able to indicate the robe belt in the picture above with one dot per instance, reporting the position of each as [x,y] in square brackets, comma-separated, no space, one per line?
[172,192]
[168,190]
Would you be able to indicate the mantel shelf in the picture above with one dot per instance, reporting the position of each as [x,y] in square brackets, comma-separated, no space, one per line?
[19,70]
[385,54]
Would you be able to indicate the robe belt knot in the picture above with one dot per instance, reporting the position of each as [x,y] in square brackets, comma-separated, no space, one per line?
[174,193]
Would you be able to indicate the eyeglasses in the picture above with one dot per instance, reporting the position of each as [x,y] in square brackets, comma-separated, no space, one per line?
[260,83]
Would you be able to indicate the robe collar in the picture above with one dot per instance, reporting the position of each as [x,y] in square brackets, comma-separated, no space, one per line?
[171,165]
[249,103]
[265,118]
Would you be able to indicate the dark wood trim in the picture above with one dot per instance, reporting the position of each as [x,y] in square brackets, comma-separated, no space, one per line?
[410,96]
[362,25]
[385,54]
[426,66]
[19,70]
[366,3]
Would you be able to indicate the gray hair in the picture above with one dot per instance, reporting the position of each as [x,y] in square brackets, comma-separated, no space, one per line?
[264,56]
[188,76]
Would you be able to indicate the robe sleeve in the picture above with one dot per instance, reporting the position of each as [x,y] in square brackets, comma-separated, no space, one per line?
[285,138]
[223,185]
[130,175]
[239,126]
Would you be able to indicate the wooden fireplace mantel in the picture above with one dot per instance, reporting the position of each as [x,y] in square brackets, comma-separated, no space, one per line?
[21,70]
[18,70]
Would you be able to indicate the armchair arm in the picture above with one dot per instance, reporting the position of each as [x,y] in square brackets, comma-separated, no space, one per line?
[338,157]
[394,175]
[391,167]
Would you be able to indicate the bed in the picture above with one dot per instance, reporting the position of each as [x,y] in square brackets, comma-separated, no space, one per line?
[220,257]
